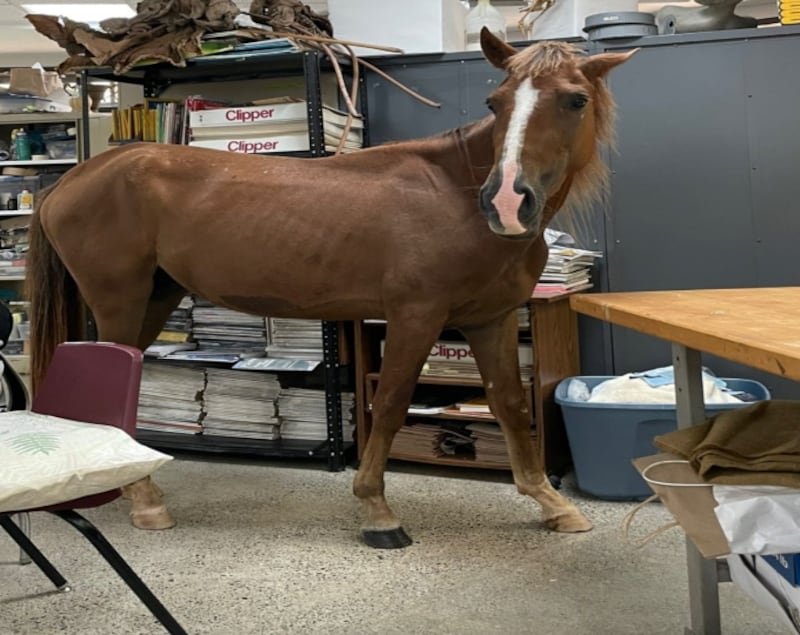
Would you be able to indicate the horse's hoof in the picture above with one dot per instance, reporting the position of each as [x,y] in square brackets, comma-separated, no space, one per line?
[572,522]
[152,518]
[386,538]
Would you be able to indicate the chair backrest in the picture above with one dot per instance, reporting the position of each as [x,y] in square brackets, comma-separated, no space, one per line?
[96,382]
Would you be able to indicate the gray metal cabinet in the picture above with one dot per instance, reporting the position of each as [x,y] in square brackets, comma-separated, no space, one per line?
[705,181]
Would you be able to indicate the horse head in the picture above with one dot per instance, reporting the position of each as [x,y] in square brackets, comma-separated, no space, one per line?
[549,115]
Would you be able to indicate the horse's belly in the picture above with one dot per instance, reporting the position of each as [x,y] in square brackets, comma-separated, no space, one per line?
[344,308]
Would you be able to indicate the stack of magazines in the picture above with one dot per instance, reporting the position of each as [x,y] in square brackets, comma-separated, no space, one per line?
[220,330]
[240,404]
[568,268]
[294,338]
[170,398]
[303,416]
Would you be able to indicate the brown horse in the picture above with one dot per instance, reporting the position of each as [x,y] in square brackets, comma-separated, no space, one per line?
[131,230]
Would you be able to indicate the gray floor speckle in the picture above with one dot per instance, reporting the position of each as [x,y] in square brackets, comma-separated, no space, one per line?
[272,547]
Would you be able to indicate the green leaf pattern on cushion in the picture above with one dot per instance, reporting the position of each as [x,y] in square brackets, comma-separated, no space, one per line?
[36,443]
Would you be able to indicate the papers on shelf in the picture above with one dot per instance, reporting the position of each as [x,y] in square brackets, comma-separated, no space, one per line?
[275,364]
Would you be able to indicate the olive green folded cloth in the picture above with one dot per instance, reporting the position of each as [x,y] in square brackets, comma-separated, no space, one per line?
[753,445]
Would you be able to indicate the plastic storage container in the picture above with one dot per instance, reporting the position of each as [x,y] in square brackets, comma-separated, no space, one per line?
[605,437]
[621,25]
[65,149]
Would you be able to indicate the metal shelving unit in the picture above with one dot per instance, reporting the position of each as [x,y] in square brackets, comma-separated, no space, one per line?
[155,80]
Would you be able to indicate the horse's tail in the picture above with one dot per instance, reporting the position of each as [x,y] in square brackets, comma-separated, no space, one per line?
[57,312]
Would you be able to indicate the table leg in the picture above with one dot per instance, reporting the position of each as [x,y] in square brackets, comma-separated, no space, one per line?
[704,617]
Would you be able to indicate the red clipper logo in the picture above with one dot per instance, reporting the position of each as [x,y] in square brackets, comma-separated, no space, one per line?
[252,147]
[443,350]
[240,115]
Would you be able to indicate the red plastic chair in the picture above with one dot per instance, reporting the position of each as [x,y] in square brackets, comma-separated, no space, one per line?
[96,382]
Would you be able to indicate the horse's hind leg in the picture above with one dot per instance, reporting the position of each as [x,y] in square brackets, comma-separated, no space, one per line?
[495,350]
[409,338]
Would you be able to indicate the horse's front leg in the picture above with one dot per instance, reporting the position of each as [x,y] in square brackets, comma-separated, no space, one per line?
[495,350]
[409,339]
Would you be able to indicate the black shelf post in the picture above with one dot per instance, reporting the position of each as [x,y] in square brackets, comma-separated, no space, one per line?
[330,341]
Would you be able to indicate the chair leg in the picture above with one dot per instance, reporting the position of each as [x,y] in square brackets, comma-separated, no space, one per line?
[123,569]
[32,550]
[24,522]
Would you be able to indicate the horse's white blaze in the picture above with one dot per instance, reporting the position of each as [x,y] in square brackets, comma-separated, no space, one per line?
[507,201]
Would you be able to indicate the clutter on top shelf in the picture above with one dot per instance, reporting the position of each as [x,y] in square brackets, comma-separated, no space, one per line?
[34,90]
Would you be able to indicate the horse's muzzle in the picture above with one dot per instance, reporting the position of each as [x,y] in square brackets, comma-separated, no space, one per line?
[528,214]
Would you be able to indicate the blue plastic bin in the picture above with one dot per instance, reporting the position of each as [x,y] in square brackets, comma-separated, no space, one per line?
[604,438]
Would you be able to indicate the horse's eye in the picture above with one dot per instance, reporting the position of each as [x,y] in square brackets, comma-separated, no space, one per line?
[578,101]
[489,105]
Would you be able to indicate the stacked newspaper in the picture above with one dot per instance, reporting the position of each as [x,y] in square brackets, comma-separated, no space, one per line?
[170,398]
[430,440]
[240,404]
[490,444]
[303,416]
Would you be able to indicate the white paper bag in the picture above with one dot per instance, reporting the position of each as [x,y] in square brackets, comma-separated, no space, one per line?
[763,519]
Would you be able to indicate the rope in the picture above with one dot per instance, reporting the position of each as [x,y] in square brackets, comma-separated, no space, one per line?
[666,462]
[626,524]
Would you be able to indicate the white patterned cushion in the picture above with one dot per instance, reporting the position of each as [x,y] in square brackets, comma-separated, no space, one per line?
[46,460]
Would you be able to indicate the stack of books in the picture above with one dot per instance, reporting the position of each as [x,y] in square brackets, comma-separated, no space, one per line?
[240,404]
[789,11]
[170,398]
[156,120]
[270,125]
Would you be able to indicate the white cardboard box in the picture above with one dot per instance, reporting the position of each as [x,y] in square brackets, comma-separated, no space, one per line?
[416,26]
[566,18]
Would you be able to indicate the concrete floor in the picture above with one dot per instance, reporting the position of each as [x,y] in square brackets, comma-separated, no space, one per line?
[272,547]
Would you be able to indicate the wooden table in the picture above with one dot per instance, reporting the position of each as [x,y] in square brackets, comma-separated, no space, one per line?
[756,327]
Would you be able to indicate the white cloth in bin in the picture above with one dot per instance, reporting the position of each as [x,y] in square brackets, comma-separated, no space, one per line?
[634,388]
[46,460]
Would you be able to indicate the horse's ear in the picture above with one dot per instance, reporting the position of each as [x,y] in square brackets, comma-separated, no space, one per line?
[598,66]
[495,50]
